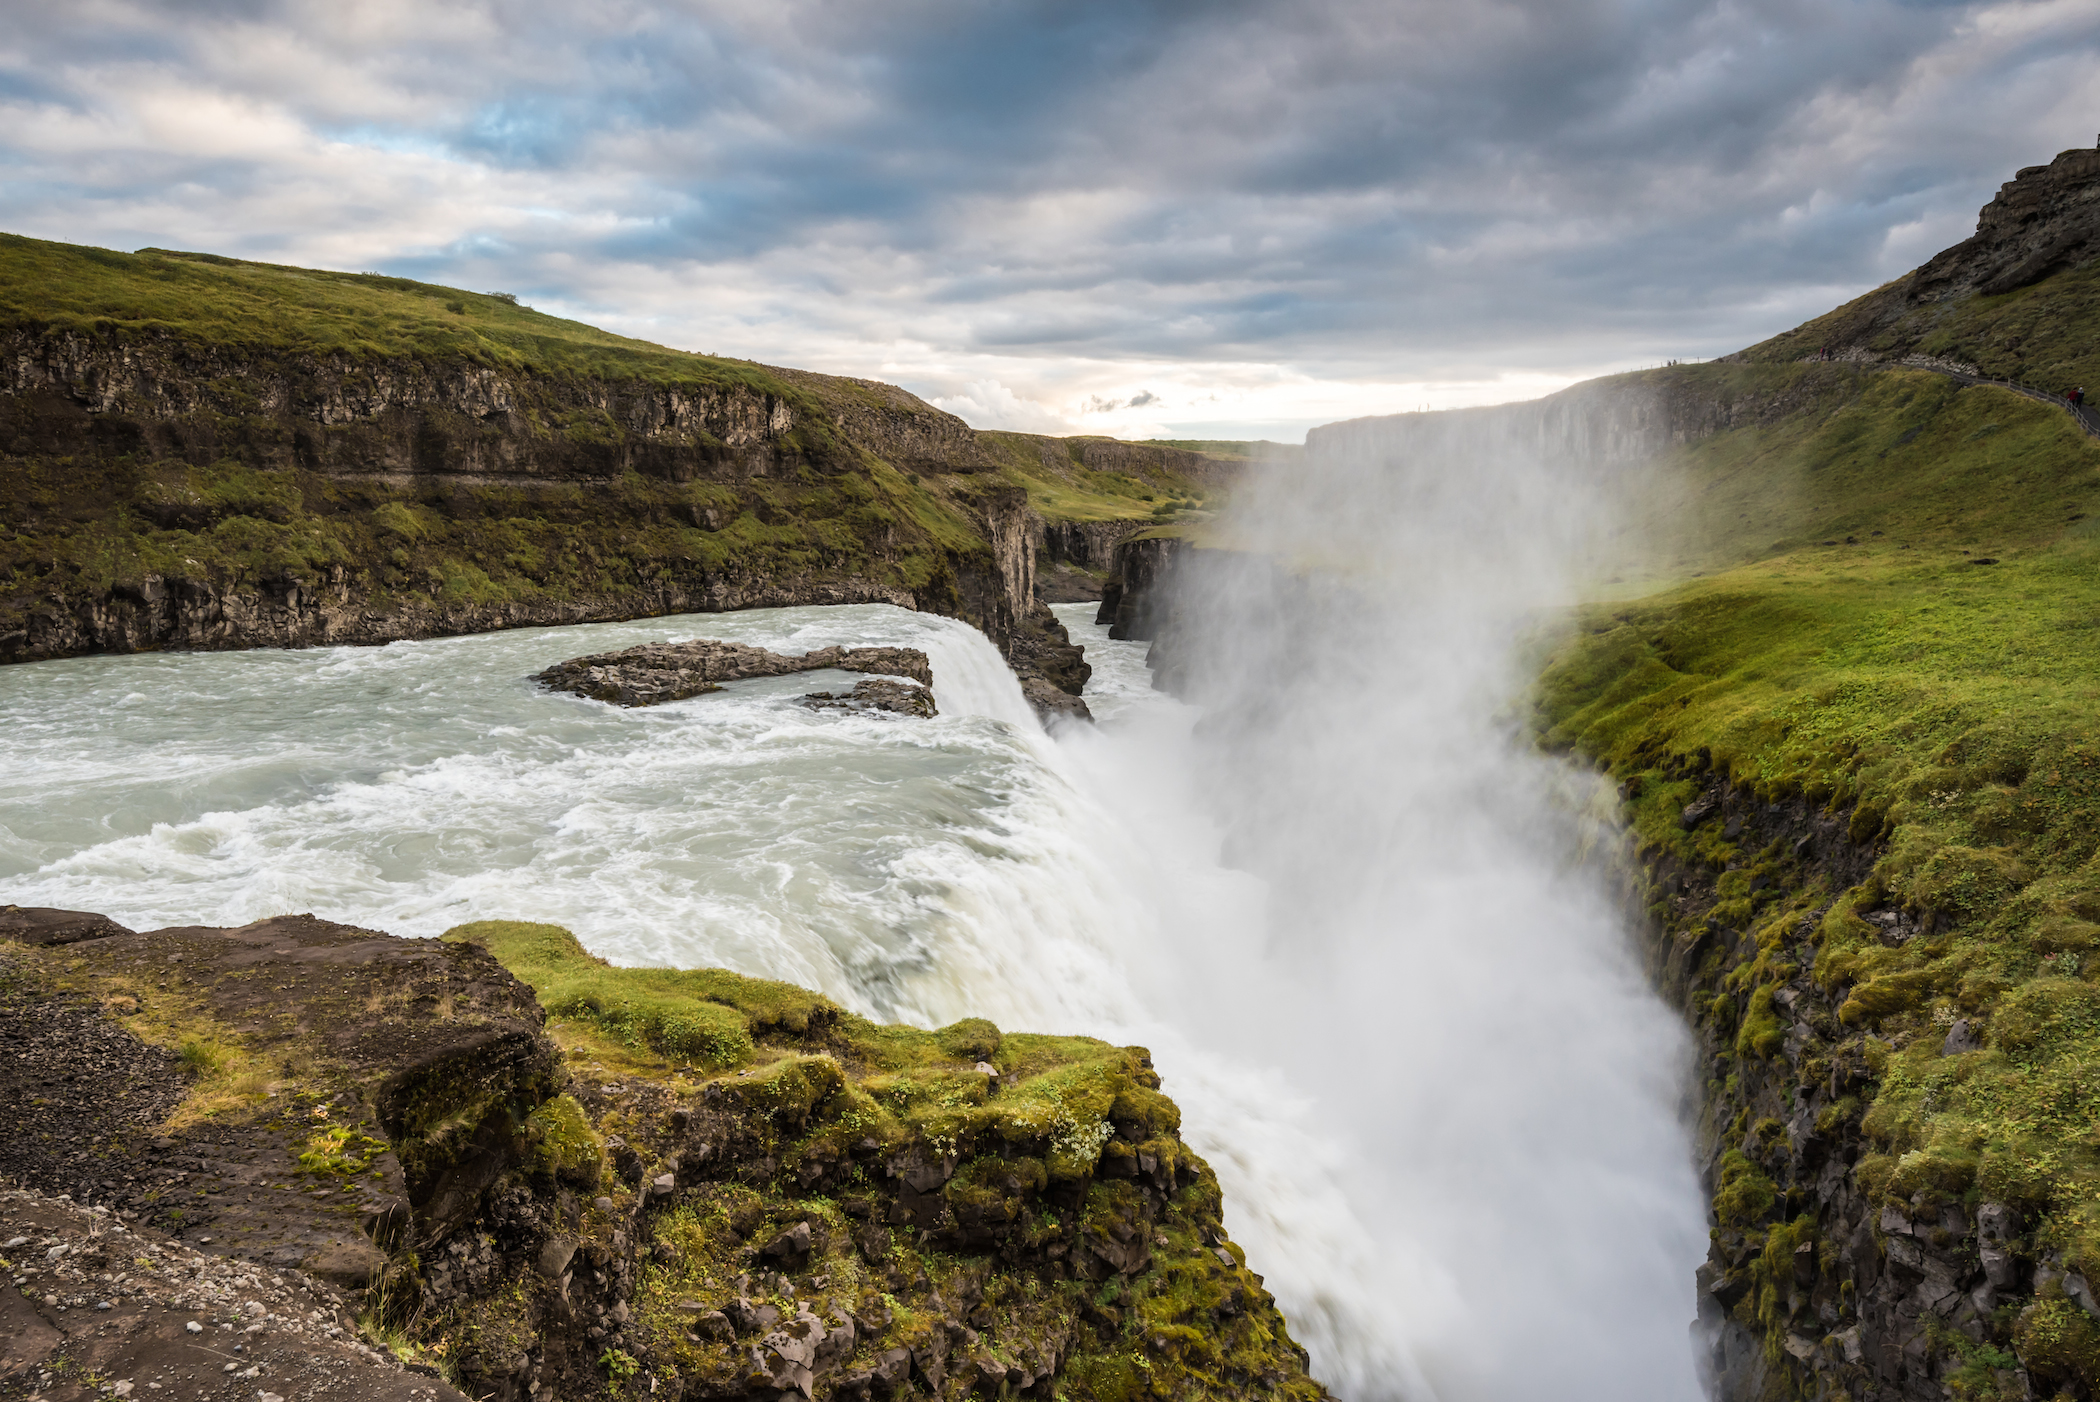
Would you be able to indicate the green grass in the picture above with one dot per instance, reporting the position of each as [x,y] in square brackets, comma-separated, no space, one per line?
[216,301]
[1890,459]
[1243,449]
[2041,334]
[1061,487]
[1950,706]
[706,1017]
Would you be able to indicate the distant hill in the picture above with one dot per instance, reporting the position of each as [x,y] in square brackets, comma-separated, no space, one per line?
[2019,300]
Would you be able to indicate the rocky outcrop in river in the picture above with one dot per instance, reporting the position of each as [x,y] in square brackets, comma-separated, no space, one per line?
[877,694]
[654,673]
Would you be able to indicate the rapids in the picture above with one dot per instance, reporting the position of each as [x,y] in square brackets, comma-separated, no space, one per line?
[918,871]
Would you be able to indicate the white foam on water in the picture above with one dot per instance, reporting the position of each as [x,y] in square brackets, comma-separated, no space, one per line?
[913,870]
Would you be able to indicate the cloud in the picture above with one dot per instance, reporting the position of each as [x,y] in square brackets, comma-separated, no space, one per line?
[1054,202]
[989,404]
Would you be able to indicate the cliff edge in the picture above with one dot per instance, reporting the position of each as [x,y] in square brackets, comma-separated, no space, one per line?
[537,1176]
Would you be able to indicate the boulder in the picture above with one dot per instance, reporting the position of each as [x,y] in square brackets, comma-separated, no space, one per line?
[790,1248]
[877,694]
[44,926]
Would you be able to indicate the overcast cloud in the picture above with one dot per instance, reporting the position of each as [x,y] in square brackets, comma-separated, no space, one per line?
[1232,219]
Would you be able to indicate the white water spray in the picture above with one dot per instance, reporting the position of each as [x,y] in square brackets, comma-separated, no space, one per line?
[1440,969]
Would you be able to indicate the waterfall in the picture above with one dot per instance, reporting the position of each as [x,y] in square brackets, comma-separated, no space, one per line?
[1440,972]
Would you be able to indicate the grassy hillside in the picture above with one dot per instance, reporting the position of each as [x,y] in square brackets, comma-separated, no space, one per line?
[2041,335]
[1063,486]
[1899,459]
[1888,606]
[224,301]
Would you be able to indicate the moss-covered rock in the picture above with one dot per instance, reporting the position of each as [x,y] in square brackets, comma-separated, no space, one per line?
[849,1207]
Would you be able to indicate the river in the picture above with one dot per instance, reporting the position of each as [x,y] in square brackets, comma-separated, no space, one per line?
[1445,1209]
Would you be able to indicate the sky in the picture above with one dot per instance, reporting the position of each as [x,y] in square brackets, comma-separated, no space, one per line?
[1146,219]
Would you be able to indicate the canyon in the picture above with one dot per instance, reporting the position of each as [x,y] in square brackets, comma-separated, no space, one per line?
[1810,615]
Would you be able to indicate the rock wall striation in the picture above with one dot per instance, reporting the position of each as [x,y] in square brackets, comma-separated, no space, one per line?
[170,493]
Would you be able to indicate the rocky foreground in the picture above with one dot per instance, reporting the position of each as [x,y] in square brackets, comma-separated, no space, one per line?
[654,673]
[499,1161]
[104,1307]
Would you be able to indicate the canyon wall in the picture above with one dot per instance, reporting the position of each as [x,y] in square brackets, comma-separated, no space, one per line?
[164,492]
[1816,1284]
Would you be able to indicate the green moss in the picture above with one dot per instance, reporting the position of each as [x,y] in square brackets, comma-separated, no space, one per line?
[1774,1277]
[1745,1194]
[562,1145]
[339,1150]
[1762,1032]
[702,1016]
[2059,1342]
[972,1039]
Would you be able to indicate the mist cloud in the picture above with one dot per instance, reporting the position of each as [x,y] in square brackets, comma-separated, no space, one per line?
[1054,198]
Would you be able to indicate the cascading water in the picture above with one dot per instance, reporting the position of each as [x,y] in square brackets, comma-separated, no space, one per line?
[1402,1020]
[1440,968]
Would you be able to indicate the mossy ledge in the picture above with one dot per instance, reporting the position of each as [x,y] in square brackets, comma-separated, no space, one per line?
[681,1183]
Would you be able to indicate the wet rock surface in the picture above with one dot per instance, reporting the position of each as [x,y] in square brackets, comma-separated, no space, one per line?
[1052,669]
[97,1305]
[654,673]
[876,694]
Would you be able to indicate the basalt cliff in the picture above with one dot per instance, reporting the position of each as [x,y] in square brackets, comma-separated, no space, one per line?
[198,453]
